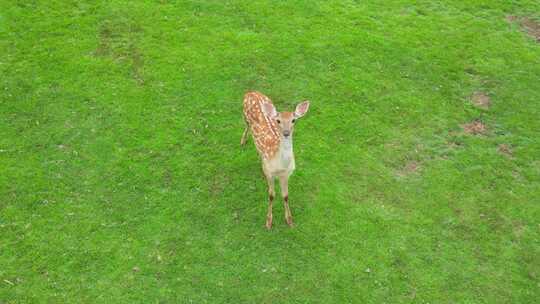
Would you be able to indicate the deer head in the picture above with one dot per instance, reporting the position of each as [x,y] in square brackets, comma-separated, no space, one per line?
[285,120]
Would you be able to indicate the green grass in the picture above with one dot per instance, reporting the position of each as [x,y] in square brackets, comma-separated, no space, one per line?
[122,179]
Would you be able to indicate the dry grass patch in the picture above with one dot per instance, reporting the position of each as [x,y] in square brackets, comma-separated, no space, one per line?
[475,128]
[118,39]
[410,167]
[532,27]
[505,149]
[481,100]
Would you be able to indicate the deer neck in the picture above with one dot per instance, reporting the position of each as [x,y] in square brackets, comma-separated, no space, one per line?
[286,150]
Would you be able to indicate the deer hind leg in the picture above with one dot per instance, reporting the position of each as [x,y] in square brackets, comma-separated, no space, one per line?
[244,136]
[271,195]
[284,184]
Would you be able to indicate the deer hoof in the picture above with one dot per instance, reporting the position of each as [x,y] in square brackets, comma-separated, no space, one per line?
[290,222]
[269,223]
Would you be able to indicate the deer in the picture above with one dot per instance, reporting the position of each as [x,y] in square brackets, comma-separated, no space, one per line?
[272,133]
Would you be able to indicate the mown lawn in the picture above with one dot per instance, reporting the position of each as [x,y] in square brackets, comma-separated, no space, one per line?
[122,179]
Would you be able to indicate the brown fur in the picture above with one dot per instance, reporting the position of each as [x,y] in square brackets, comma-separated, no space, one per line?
[264,130]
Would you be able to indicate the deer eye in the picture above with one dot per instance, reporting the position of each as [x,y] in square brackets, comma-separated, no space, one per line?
[294,120]
[278,121]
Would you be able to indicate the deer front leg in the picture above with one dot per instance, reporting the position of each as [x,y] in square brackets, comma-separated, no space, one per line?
[284,184]
[244,136]
[271,195]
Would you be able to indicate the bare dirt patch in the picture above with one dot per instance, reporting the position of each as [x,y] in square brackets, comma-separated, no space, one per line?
[505,150]
[475,128]
[532,27]
[481,100]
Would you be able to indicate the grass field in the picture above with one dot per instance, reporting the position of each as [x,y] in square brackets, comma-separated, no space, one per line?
[122,179]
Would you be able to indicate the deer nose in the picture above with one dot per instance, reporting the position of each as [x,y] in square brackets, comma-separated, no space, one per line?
[286,133]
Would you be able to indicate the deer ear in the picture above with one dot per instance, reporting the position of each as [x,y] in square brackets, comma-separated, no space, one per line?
[269,110]
[301,109]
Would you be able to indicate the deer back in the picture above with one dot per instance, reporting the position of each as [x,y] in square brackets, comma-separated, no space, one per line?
[264,130]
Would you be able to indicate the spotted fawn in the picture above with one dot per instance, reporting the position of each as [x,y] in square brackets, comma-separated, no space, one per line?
[272,132]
